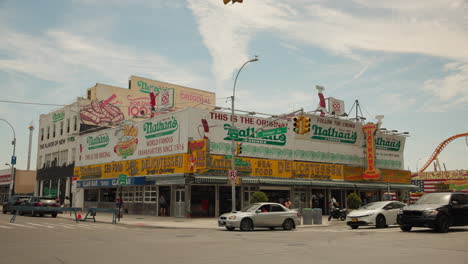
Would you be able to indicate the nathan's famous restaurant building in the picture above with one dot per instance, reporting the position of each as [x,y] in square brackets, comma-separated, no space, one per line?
[184,156]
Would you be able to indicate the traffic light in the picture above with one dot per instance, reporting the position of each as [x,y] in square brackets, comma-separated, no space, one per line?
[233,1]
[238,148]
[305,125]
[297,124]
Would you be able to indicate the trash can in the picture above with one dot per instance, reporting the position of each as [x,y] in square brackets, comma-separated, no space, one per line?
[317,216]
[307,216]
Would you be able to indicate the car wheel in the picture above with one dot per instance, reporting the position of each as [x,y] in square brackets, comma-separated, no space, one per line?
[54,214]
[380,221]
[405,228]
[343,217]
[230,228]
[442,224]
[354,227]
[246,224]
[288,224]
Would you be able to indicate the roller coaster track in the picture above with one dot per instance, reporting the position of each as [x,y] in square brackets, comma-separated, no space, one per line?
[439,149]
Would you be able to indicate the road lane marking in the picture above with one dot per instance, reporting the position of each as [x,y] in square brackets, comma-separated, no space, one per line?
[5,226]
[48,226]
[21,225]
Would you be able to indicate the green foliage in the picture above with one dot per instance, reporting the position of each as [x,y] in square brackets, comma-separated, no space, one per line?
[258,197]
[353,201]
[442,187]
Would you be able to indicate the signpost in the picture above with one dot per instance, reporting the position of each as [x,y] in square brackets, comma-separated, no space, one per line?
[272,132]
[232,174]
[122,182]
[122,179]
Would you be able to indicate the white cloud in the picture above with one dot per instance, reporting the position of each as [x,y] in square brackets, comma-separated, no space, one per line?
[452,88]
[435,28]
[64,57]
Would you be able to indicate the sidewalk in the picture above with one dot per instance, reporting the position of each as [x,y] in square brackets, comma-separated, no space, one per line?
[173,222]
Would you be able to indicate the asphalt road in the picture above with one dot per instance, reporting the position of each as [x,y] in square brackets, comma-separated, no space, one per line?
[57,240]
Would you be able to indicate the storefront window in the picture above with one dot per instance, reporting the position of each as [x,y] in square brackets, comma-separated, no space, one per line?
[139,193]
[91,195]
[150,194]
[128,194]
[108,195]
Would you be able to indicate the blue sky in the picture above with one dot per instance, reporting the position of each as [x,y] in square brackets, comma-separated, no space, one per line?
[406,60]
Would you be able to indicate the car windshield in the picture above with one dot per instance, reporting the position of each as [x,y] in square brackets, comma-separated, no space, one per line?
[373,206]
[434,198]
[250,208]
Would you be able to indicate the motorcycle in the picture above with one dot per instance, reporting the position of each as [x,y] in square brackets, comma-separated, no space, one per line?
[337,213]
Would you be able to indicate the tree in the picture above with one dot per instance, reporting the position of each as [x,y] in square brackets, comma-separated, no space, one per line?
[258,197]
[442,187]
[353,201]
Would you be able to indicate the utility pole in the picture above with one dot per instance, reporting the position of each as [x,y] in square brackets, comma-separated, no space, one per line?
[233,143]
[31,128]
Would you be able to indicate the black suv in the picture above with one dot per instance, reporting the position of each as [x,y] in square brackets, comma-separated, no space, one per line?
[436,210]
[16,200]
[41,201]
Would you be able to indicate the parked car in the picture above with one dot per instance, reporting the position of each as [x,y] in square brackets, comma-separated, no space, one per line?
[42,201]
[16,200]
[438,211]
[380,214]
[268,215]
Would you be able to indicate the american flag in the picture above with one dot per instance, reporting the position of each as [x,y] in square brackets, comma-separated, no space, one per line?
[420,184]
[426,186]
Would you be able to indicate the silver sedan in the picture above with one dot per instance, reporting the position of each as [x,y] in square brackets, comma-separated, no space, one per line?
[268,215]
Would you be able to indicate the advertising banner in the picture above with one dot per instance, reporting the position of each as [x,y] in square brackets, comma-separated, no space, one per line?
[335,106]
[276,168]
[142,167]
[181,97]
[393,176]
[441,175]
[158,136]
[114,182]
[331,140]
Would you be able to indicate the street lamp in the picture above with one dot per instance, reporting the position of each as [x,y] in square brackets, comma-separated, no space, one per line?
[13,159]
[233,144]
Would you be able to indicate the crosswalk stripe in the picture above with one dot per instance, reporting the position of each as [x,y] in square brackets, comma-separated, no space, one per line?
[5,226]
[21,225]
[48,226]
[59,225]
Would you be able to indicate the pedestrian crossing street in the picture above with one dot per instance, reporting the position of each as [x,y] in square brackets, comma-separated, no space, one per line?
[57,225]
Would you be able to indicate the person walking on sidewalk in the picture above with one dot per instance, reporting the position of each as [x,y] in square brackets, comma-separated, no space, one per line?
[162,205]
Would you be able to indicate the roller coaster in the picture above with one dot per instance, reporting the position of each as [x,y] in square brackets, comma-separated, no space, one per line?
[440,148]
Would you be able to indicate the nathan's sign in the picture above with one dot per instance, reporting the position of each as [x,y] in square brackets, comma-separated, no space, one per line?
[371,171]
[58,117]
[385,143]
[161,128]
[332,134]
[334,130]
[142,167]
[99,141]
[248,135]
[278,168]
